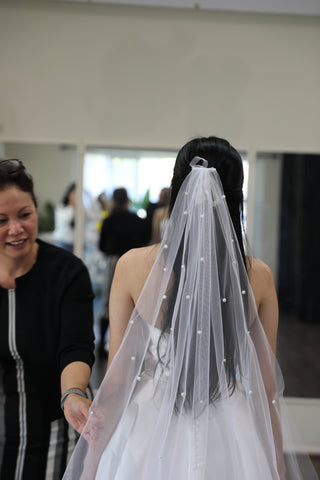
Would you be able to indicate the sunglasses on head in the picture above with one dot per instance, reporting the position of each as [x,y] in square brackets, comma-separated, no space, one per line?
[13,166]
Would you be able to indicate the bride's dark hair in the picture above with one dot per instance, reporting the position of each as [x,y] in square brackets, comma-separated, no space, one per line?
[228,163]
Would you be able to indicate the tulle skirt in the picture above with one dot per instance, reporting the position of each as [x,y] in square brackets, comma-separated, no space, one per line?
[128,456]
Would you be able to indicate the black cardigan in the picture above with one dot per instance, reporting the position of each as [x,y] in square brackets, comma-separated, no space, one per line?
[53,324]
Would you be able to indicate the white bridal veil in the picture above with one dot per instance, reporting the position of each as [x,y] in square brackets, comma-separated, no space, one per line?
[193,392]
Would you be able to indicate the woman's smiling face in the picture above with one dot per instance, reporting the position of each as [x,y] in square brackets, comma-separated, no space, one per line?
[18,224]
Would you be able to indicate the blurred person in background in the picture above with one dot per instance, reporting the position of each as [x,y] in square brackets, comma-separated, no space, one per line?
[121,231]
[152,207]
[160,216]
[64,219]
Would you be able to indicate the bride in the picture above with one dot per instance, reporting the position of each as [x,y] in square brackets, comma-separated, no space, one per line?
[192,389]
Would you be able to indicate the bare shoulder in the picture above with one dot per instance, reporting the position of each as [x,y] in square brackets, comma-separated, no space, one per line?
[261,279]
[134,267]
[138,257]
[258,270]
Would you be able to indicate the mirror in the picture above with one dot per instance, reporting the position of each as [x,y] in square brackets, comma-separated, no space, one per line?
[285,235]
[285,227]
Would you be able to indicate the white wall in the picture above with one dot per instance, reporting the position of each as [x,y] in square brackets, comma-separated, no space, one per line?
[298,7]
[149,77]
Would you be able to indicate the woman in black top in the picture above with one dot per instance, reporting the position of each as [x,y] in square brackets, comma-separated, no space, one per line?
[121,231]
[46,338]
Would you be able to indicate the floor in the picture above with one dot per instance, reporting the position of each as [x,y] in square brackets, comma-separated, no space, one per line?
[298,354]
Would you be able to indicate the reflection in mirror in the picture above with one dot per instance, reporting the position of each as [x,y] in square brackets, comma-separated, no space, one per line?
[54,170]
[143,173]
[285,236]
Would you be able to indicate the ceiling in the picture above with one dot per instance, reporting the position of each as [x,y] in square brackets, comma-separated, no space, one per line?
[289,7]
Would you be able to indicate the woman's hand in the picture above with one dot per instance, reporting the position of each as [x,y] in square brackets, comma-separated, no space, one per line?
[76,411]
[76,407]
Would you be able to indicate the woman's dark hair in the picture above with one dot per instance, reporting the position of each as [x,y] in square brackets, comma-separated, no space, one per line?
[228,163]
[66,196]
[14,174]
[120,200]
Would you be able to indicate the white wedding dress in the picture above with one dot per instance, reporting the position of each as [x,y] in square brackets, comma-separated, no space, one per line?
[134,433]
